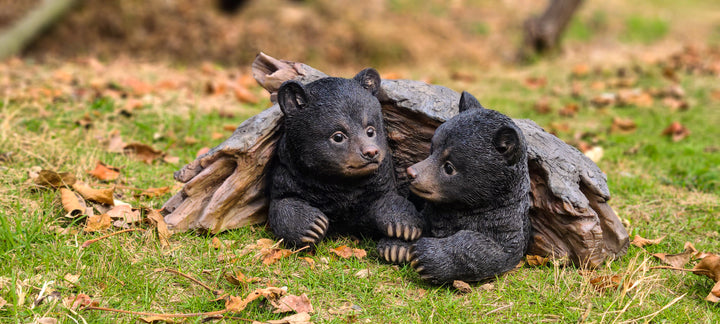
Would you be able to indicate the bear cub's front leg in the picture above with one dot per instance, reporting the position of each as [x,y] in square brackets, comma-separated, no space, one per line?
[296,222]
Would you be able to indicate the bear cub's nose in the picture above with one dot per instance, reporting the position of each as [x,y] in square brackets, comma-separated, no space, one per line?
[370,152]
[411,173]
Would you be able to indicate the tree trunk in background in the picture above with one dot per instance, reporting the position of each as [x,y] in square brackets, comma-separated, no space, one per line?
[542,34]
[23,32]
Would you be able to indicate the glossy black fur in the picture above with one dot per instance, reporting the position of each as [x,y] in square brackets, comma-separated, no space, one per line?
[316,187]
[477,217]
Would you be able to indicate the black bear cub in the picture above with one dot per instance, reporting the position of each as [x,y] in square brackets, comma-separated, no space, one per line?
[333,171]
[476,187]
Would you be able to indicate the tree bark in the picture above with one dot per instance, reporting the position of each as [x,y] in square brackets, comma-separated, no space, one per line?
[225,188]
[542,34]
[19,35]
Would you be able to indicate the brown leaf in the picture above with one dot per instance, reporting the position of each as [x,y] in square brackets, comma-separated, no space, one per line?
[124,214]
[155,192]
[154,216]
[137,87]
[171,159]
[536,260]
[603,283]
[709,266]
[244,95]
[639,241]
[97,223]
[542,106]
[347,252]
[623,125]
[215,243]
[237,304]
[239,278]
[142,152]
[115,143]
[230,128]
[103,196]
[104,172]
[272,255]
[604,99]
[52,179]
[309,261]
[569,110]
[292,303]
[73,204]
[73,302]
[202,151]
[676,131]
[678,260]
[299,318]
[675,104]
[46,320]
[535,82]
[580,70]
[462,286]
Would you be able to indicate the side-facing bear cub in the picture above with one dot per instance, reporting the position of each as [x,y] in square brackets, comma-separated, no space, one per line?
[333,171]
[476,187]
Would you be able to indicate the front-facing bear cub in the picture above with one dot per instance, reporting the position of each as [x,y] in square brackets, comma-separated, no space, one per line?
[333,171]
[476,185]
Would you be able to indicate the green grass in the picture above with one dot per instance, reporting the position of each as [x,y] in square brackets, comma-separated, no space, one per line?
[645,30]
[663,188]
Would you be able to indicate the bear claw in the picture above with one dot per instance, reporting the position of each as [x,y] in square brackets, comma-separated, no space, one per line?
[406,232]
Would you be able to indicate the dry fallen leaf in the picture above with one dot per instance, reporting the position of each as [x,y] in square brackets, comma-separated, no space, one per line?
[709,266]
[46,320]
[676,131]
[124,214]
[52,179]
[594,153]
[603,283]
[202,151]
[542,106]
[115,143]
[155,192]
[272,255]
[154,216]
[97,223]
[71,278]
[73,204]
[237,304]
[462,286]
[580,70]
[239,279]
[623,125]
[639,241]
[535,82]
[299,318]
[569,110]
[142,152]
[678,260]
[104,172]
[536,260]
[103,196]
[215,243]
[309,261]
[292,303]
[73,302]
[347,252]
[244,95]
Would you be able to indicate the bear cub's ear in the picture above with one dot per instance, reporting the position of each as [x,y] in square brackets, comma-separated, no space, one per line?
[369,79]
[291,96]
[468,101]
[507,142]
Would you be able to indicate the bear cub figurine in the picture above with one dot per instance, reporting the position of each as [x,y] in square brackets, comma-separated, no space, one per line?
[476,186]
[333,172]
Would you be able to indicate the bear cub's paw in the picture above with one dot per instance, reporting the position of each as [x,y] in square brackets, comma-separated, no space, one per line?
[431,263]
[317,230]
[395,251]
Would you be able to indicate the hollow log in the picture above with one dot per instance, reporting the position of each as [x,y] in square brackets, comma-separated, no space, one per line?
[225,188]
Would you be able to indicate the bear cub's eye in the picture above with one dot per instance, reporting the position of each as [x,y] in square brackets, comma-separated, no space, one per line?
[449,168]
[338,137]
[370,131]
